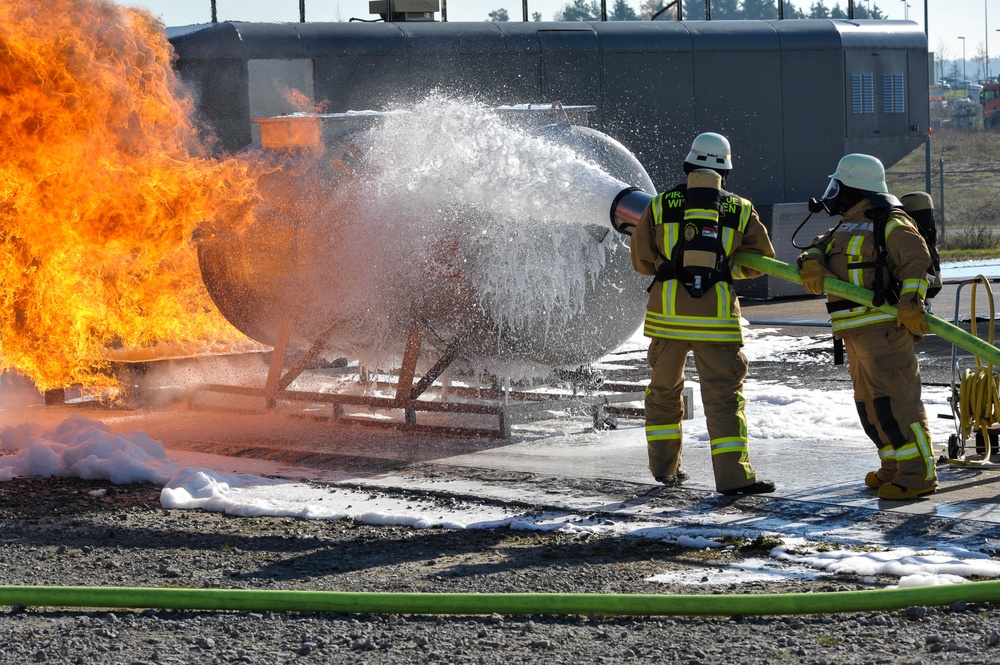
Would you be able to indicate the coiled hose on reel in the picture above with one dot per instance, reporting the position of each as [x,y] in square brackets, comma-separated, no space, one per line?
[978,401]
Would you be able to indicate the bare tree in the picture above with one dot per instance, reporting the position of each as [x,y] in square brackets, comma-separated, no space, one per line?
[980,60]
[943,53]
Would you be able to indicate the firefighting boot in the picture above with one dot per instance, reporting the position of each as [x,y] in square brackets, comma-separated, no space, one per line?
[893,492]
[759,487]
[675,480]
[874,480]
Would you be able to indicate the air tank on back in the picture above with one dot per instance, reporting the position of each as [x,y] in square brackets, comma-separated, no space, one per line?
[489,228]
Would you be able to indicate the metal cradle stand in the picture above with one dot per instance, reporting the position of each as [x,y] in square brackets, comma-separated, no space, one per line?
[413,395]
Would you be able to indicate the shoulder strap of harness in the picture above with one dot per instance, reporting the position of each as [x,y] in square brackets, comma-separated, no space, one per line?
[884,206]
[696,214]
[665,215]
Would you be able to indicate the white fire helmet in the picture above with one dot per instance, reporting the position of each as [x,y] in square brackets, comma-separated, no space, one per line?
[710,150]
[861,172]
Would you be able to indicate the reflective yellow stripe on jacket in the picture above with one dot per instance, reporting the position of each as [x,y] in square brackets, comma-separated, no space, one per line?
[673,323]
[859,317]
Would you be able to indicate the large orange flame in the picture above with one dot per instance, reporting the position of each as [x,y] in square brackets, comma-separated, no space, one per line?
[103,179]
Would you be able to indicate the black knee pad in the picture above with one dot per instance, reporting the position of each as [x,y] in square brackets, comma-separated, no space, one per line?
[883,411]
[867,425]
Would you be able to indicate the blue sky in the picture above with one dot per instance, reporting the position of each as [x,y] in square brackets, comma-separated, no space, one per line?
[976,20]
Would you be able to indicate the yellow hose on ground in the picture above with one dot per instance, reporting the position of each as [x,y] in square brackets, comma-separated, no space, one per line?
[978,398]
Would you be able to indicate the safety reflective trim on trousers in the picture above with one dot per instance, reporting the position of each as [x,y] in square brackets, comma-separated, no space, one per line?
[887,453]
[741,415]
[663,432]
[851,321]
[913,285]
[923,443]
[908,451]
[730,444]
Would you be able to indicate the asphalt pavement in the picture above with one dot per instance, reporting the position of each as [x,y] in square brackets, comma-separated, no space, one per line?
[969,485]
[312,443]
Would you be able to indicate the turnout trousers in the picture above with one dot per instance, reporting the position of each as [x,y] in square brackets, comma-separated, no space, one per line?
[721,371]
[886,378]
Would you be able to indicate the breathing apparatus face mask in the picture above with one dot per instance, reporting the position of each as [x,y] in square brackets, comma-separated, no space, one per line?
[829,201]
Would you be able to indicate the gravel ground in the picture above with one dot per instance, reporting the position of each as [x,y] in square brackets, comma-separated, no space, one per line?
[91,533]
[77,532]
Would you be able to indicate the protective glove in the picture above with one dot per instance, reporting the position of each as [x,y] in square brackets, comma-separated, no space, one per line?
[915,320]
[812,273]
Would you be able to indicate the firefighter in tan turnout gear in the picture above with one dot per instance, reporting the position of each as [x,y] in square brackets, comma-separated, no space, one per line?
[685,240]
[882,363]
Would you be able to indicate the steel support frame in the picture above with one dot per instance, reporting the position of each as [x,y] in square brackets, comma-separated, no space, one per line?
[509,407]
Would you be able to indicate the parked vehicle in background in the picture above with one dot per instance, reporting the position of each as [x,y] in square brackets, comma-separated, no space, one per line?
[989,98]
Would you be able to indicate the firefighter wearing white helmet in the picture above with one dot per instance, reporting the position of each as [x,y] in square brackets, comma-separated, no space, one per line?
[710,151]
[878,246]
[685,240]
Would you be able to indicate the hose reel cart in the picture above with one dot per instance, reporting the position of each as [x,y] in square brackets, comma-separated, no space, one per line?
[975,403]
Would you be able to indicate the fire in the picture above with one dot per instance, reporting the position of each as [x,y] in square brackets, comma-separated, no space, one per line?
[103,179]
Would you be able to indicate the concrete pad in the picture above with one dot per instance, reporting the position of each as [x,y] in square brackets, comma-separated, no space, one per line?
[297,444]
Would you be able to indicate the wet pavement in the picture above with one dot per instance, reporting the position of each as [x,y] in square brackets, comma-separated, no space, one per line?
[310,444]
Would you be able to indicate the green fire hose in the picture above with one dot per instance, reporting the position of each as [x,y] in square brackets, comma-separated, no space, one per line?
[545,603]
[940,327]
[253,600]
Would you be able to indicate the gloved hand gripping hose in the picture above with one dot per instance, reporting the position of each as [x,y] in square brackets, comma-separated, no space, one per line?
[938,326]
[947,331]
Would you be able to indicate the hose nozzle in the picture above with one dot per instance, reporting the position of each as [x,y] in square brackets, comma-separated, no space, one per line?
[627,208]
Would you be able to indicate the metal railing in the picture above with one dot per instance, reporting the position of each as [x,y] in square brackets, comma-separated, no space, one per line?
[678,5]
